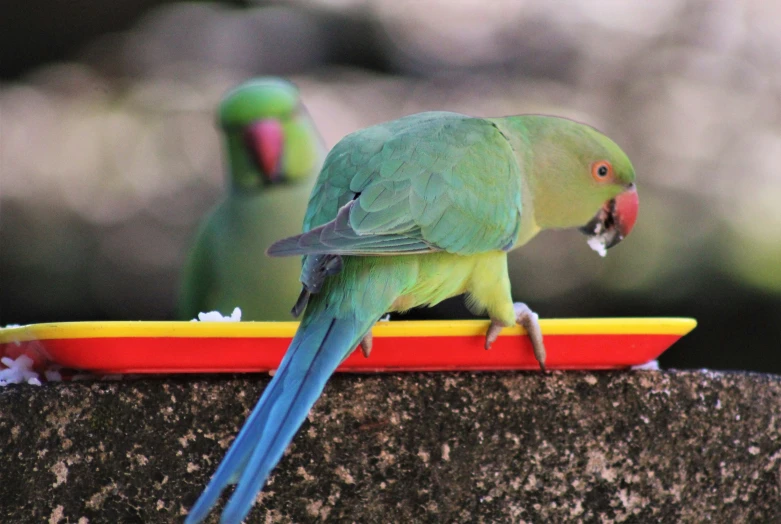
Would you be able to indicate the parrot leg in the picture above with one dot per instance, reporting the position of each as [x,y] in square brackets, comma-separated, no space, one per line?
[366,344]
[530,322]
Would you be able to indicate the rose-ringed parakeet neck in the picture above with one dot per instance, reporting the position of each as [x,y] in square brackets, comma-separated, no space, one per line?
[273,156]
[409,213]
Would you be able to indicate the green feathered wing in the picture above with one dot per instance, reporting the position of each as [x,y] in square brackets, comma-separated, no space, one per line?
[426,183]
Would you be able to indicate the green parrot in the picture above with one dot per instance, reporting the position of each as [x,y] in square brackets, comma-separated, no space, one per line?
[411,212]
[274,154]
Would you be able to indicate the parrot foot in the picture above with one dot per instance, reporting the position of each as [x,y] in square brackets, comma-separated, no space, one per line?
[366,344]
[530,322]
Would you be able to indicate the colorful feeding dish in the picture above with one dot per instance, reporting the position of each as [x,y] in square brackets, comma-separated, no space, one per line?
[225,347]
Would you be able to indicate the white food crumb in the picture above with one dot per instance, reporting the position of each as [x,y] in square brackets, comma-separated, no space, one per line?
[597,243]
[648,366]
[18,371]
[216,316]
[52,375]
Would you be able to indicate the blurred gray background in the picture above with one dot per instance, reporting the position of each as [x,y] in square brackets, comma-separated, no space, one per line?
[109,155]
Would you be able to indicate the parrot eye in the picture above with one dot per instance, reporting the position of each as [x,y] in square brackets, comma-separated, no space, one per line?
[602,171]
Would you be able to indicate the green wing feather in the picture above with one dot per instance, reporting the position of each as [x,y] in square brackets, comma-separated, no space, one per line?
[197,283]
[424,183]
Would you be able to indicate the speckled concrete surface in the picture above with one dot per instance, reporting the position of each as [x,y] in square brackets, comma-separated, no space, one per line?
[525,447]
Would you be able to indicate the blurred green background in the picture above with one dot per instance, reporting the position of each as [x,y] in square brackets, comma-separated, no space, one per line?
[109,155]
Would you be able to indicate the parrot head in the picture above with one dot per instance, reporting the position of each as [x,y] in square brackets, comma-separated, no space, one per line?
[580,178]
[269,135]
[610,168]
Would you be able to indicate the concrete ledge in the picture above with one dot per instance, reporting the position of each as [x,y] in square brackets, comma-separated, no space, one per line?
[609,447]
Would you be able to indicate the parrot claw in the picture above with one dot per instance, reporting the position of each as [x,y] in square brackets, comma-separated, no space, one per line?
[530,322]
[366,344]
[493,332]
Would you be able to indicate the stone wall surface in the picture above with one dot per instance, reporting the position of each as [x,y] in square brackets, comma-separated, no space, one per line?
[643,446]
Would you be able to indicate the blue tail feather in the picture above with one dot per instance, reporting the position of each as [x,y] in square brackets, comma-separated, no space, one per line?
[320,345]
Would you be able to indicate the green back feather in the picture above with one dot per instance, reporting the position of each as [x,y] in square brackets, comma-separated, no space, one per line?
[443,179]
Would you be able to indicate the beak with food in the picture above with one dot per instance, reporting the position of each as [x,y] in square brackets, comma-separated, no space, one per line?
[265,140]
[613,221]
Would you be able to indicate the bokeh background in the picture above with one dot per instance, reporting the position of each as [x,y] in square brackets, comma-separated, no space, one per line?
[109,155]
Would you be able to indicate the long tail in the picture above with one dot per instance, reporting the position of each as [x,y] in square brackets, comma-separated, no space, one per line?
[320,345]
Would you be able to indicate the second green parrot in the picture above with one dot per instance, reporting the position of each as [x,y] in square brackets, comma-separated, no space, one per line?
[273,156]
[409,213]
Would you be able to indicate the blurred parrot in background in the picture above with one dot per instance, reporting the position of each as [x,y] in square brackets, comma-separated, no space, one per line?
[273,156]
[409,213]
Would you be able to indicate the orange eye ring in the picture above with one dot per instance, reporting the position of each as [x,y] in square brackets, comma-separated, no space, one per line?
[602,171]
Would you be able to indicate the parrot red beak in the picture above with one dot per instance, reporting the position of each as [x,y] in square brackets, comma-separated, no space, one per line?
[264,140]
[615,220]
